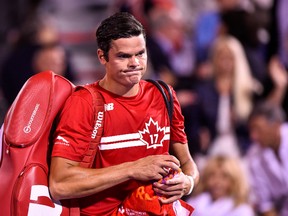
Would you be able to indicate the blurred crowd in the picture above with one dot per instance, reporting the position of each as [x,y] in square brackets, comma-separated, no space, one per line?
[226,59]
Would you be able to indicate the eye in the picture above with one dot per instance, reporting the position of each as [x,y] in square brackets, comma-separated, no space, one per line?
[140,54]
[124,56]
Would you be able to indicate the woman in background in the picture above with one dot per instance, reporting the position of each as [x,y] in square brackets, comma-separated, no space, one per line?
[223,189]
[223,102]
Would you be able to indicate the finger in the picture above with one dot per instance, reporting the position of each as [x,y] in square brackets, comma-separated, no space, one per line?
[178,178]
[175,160]
[171,158]
[168,190]
[165,193]
[166,165]
[169,200]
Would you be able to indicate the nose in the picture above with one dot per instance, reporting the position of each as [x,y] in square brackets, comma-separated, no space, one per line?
[133,61]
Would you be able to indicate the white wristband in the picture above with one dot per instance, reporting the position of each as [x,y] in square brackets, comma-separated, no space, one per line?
[192,184]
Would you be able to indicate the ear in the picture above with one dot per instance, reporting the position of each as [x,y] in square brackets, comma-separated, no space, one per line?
[101,57]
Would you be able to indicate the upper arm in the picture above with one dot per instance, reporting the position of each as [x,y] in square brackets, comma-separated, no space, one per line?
[177,125]
[59,169]
[64,173]
[181,151]
[74,127]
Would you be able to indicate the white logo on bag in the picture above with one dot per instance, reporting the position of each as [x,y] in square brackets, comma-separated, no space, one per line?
[98,124]
[36,209]
[27,129]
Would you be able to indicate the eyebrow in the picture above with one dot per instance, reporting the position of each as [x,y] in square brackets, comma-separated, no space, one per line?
[129,54]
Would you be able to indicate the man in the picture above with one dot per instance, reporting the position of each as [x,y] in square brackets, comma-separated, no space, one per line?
[137,133]
[268,159]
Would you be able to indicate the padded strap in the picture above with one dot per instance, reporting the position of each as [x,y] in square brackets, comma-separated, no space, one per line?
[89,157]
[1,142]
[98,105]
[171,100]
[167,95]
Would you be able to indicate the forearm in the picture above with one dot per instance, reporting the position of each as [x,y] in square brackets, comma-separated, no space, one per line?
[187,165]
[81,182]
[278,75]
[189,168]
[69,180]
[277,95]
[173,189]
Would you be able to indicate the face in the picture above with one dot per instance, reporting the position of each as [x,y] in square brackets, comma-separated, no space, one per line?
[127,61]
[224,61]
[262,131]
[219,183]
[53,58]
[175,30]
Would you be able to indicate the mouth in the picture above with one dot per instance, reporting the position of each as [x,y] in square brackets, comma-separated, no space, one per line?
[133,75]
[132,72]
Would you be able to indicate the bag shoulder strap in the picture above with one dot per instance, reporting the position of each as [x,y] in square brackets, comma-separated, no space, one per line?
[167,95]
[88,159]
[99,109]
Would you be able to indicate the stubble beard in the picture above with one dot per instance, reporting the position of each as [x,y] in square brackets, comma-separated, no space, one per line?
[135,79]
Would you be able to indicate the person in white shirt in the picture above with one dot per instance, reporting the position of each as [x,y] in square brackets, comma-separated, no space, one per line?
[223,189]
[267,159]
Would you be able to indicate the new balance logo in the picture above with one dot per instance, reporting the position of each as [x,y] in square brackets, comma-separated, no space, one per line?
[62,138]
[109,106]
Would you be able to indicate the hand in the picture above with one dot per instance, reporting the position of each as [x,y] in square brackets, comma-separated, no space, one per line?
[277,72]
[153,167]
[173,189]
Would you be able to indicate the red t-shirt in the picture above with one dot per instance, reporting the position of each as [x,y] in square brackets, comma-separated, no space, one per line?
[134,127]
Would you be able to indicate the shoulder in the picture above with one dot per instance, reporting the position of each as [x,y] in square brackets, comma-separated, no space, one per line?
[150,83]
[80,98]
[253,152]
[84,91]
[155,85]
[254,159]
[244,209]
[203,198]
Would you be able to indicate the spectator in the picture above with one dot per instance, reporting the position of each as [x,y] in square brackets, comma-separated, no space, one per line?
[205,31]
[278,45]
[37,49]
[141,8]
[223,189]
[170,48]
[267,159]
[223,103]
[249,24]
[279,31]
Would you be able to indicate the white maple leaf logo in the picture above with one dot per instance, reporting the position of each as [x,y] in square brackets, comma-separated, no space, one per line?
[152,135]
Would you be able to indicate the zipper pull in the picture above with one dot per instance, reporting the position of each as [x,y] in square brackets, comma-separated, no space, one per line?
[8,149]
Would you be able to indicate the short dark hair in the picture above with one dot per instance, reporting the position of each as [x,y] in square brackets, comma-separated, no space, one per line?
[268,110]
[119,25]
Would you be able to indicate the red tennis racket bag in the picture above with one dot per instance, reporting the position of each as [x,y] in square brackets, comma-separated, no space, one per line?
[25,148]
